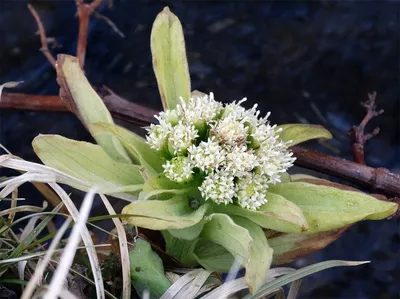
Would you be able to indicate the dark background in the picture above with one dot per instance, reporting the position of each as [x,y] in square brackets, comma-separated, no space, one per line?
[308,61]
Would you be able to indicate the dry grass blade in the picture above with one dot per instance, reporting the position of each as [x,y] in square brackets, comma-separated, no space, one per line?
[11,84]
[87,239]
[68,254]
[180,284]
[65,294]
[24,209]
[294,289]
[191,290]
[41,267]
[123,247]
[227,289]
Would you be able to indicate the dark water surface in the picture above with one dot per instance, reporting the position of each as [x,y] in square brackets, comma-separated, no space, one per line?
[303,61]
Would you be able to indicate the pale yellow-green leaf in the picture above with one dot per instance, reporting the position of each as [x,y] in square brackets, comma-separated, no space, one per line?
[169,59]
[79,95]
[213,257]
[277,214]
[188,233]
[136,146]
[260,256]
[302,132]
[159,187]
[221,230]
[327,208]
[174,213]
[85,161]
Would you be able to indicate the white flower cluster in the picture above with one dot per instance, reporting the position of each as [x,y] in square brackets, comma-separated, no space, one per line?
[236,153]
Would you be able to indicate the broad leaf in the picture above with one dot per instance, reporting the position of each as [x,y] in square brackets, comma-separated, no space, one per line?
[159,187]
[80,97]
[288,247]
[174,213]
[87,162]
[278,214]
[260,257]
[222,230]
[213,257]
[328,208]
[147,270]
[301,132]
[188,233]
[180,249]
[169,59]
[136,146]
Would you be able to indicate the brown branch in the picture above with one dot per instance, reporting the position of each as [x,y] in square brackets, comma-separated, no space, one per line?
[119,107]
[84,12]
[377,179]
[357,135]
[43,39]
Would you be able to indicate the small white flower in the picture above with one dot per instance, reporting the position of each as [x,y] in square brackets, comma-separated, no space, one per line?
[274,159]
[158,134]
[229,131]
[168,116]
[207,156]
[178,169]
[199,108]
[182,137]
[240,161]
[218,186]
[251,191]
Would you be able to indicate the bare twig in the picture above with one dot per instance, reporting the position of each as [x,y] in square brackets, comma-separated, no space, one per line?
[358,137]
[84,13]
[380,179]
[43,38]
[119,107]
[109,23]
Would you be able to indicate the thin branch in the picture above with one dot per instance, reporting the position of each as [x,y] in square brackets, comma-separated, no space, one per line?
[379,179]
[84,12]
[109,23]
[357,135]
[119,107]
[43,38]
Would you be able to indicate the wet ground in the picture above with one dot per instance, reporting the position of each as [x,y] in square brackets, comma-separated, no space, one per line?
[304,61]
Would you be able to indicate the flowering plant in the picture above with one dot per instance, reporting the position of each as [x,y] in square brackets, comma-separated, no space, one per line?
[211,177]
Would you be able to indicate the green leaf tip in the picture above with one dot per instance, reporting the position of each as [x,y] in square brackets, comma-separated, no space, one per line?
[169,59]
[299,133]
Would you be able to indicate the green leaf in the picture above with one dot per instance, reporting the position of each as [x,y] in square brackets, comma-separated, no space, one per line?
[213,257]
[180,249]
[174,213]
[162,188]
[278,214]
[221,230]
[80,97]
[169,59]
[327,208]
[302,132]
[136,146]
[188,233]
[147,270]
[260,257]
[85,161]
[288,247]
[299,274]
